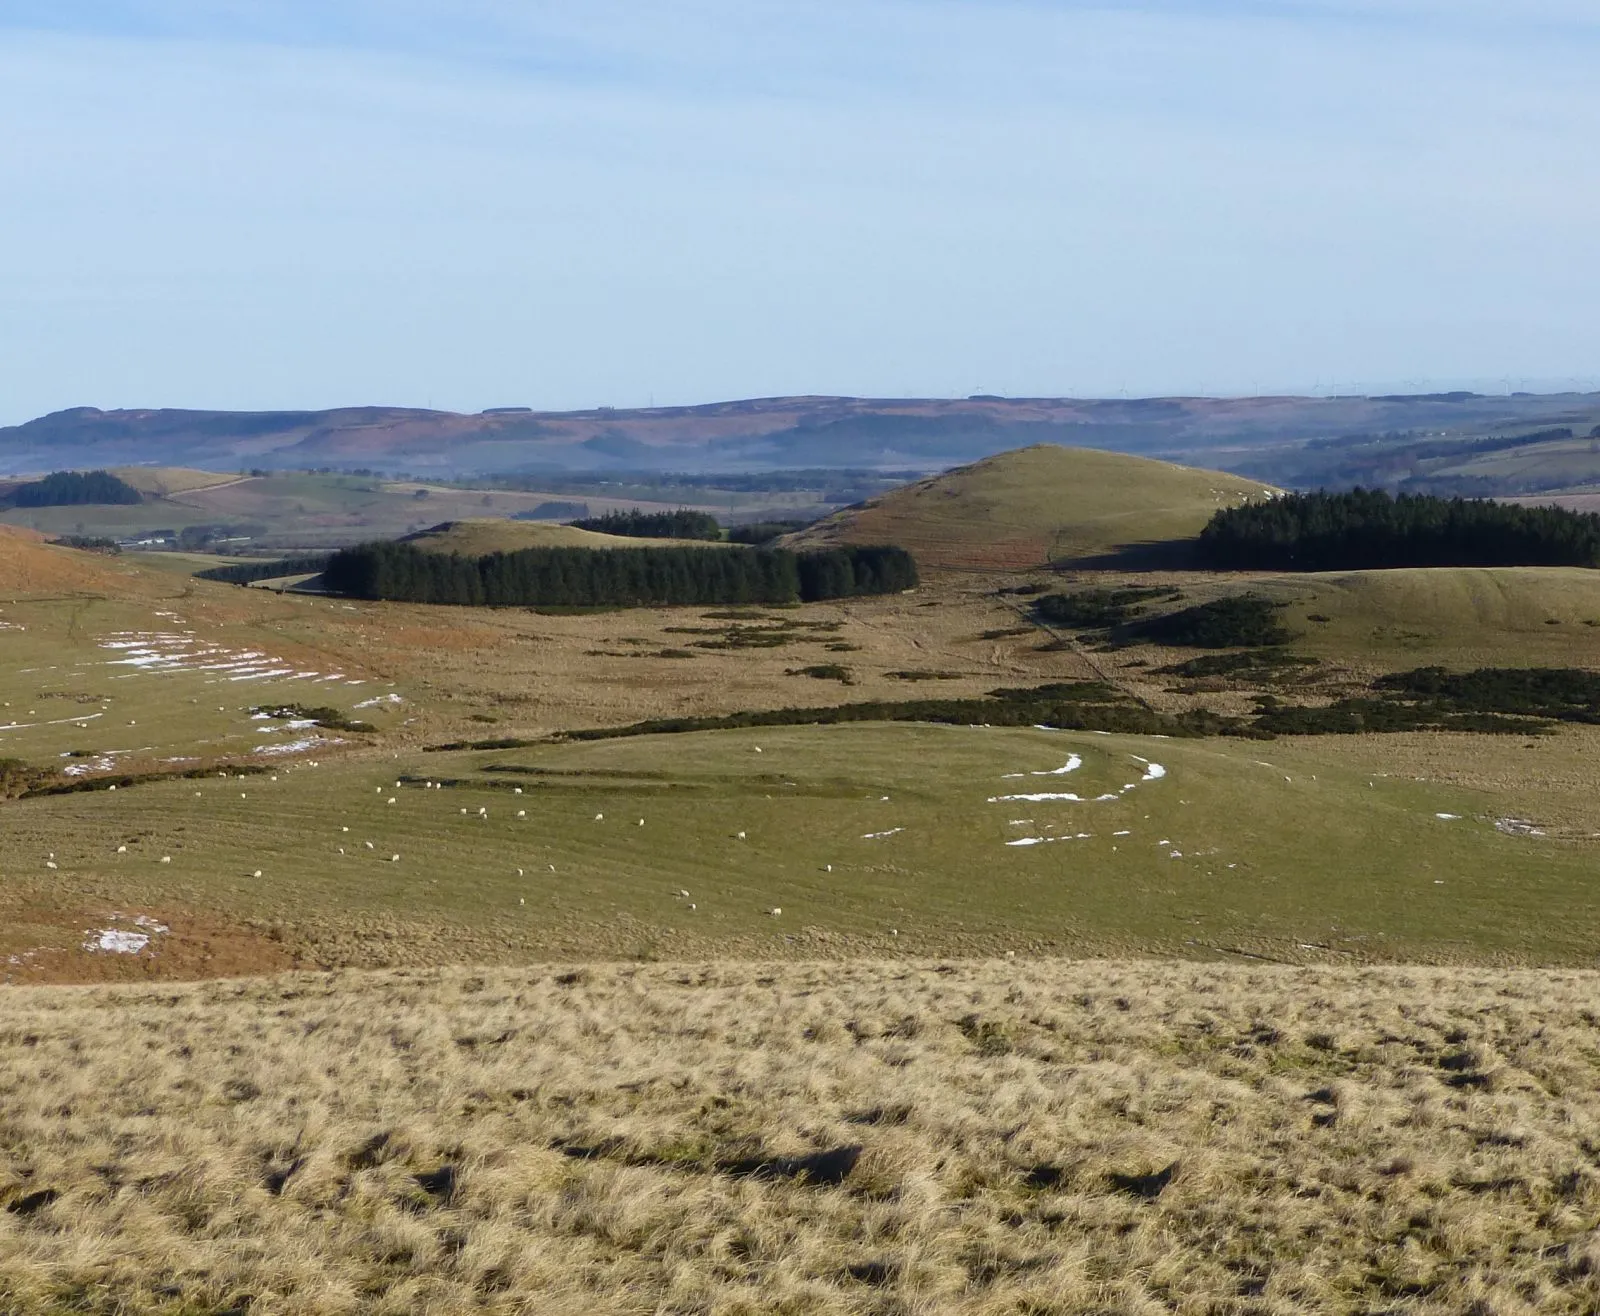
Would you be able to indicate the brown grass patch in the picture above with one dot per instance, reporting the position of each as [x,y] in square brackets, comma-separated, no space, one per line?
[836,1139]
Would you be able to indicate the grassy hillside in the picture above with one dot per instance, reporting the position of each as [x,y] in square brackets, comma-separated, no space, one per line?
[863,1140]
[477,537]
[1036,505]
[29,564]
[871,840]
[160,481]
[1455,616]
[295,509]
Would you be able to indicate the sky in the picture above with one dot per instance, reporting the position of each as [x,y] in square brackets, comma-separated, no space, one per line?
[308,203]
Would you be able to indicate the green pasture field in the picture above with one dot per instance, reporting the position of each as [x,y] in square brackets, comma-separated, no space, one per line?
[66,691]
[1456,616]
[871,839]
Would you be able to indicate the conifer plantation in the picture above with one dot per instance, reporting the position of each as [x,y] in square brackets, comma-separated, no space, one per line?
[1366,528]
[629,577]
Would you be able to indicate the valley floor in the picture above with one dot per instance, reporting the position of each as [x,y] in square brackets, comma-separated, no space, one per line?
[1034,1136]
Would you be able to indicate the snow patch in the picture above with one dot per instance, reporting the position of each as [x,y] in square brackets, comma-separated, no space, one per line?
[125,941]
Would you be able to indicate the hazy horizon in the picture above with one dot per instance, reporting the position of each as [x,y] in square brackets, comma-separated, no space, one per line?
[487,204]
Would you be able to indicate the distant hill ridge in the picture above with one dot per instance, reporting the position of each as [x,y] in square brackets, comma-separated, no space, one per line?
[753,434]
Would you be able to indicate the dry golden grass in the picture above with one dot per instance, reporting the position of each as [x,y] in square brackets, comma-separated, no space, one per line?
[1039,1137]
[162,481]
[481,535]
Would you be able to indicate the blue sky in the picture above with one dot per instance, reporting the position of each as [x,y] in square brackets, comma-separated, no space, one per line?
[484,203]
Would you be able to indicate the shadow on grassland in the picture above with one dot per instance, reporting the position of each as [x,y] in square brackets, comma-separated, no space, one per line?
[1153,555]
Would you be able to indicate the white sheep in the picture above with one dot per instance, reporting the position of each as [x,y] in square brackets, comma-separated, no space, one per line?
[775,911]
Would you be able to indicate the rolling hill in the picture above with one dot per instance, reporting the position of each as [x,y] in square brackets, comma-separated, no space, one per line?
[30,565]
[477,537]
[1036,505]
[765,433]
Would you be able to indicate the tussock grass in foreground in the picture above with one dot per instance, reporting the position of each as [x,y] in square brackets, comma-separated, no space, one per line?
[1025,1136]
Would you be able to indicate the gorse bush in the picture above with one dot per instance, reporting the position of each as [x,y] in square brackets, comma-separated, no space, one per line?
[621,577]
[680,524]
[1562,694]
[1239,621]
[72,488]
[1093,608]
[1367,528]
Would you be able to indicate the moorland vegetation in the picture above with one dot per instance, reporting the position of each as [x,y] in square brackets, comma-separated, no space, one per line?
[865,1139]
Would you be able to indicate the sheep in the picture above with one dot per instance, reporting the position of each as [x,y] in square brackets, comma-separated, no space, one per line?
[738,836]
[394,859]
[49,863]
[390,800]
[516,790]
[122,849]
[257,873]
[166,859]
[599,817]
[369,845]
[522,813]
[775,911]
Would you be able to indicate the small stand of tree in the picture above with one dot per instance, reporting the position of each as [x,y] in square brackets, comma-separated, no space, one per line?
[245,573]
[616,577]
[1366,528]
[681,524]
[763,532]
[74,488]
